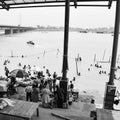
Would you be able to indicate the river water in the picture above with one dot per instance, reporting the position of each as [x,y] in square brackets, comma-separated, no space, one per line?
[48,52]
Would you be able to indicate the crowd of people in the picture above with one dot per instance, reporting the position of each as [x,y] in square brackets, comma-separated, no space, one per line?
[44,87]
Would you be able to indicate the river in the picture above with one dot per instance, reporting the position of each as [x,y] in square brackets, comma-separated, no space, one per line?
[48,52]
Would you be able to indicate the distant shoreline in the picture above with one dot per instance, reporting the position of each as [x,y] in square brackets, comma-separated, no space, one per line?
[81,30]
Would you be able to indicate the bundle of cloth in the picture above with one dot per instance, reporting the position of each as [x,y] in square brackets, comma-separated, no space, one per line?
[5,102]
[3,85]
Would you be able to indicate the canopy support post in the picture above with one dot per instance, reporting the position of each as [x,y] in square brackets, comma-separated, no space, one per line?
[110,88]
[64,81]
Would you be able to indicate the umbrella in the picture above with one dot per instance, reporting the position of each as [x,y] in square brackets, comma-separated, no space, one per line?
[18,73]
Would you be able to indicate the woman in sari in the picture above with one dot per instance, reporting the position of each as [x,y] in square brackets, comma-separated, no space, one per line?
[46,100]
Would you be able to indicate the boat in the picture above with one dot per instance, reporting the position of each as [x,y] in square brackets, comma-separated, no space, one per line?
[31,42]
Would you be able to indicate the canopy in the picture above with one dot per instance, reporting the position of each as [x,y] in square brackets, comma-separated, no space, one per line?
[10,4]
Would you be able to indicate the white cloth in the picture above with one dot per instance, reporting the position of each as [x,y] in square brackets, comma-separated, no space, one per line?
[46,96]
[3,86]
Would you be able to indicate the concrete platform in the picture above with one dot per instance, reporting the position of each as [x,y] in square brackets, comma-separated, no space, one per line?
[105,114]
[77,111]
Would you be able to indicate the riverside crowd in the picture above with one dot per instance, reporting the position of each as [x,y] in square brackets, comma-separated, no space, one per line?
[39,85]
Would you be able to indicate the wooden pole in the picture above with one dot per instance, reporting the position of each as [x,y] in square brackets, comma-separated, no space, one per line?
[103,55]
[76,66]
[94,57]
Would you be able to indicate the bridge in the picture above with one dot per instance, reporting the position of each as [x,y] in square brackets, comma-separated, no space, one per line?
[9,29]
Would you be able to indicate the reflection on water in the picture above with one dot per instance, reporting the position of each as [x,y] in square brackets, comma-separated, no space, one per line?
[48,51]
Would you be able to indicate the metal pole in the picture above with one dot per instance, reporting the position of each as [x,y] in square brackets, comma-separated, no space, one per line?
[66,35]
[63,82]
[115,43]
[110,88]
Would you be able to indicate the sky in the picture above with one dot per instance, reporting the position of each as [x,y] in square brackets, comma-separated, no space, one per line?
[82,17]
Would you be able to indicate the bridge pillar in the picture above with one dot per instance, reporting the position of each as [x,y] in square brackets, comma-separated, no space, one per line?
[21,30]
[8,31]
[15,31]
[24,30]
